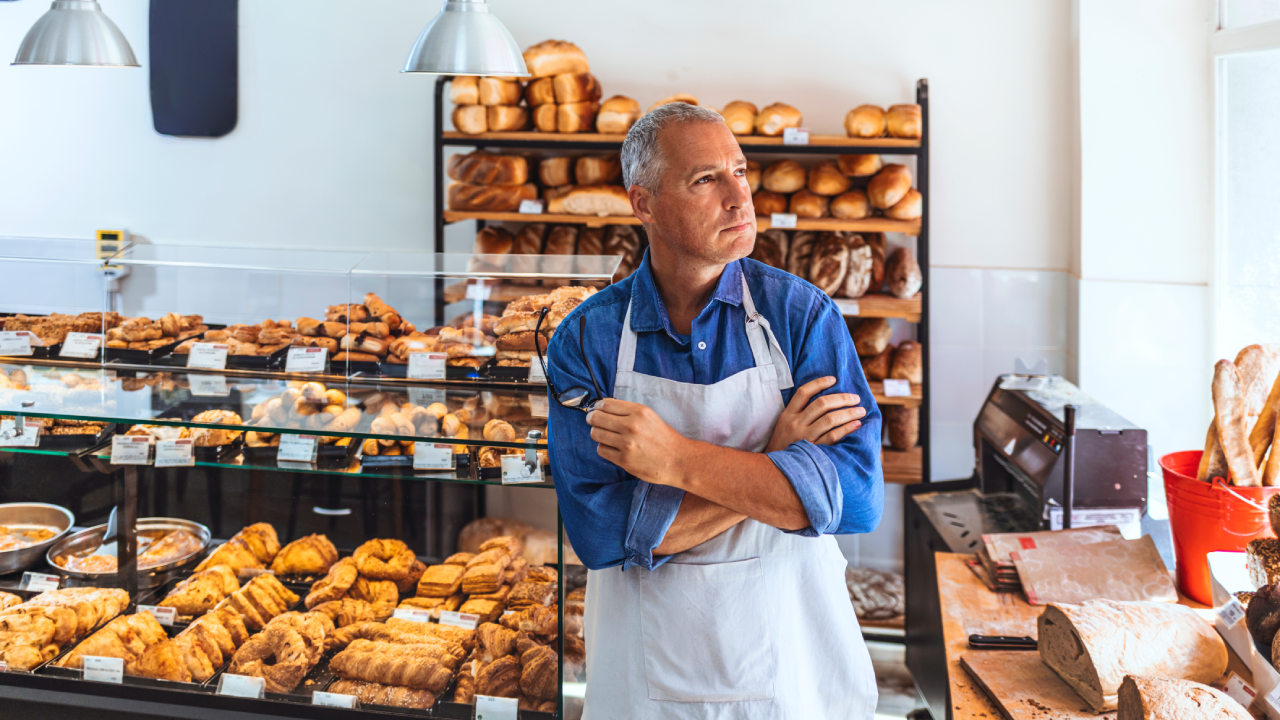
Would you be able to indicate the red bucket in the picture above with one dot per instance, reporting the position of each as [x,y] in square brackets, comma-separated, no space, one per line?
[1206,517]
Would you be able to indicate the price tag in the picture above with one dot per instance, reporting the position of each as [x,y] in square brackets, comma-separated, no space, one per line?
[795,136]
[175,453]
[848,308]
[209,385]
[15,343]
[427,366]
[1232,612]
[1239,690]
[164,615]
[897,388]
[496,708]
[508,612]
[539,405]
[103,669]
[38,582]
[515,472]
[306,360]
[466,621]
[432,456]
[297,448]
[81,345]
[9,436]
[782,221]
[535,370]
[478,291]
[131,450]
[424,397]
[4,666]
[251,573]
[211,356]
[241,686]
[334,700]
[1273,697]
[530,207]
[412,614]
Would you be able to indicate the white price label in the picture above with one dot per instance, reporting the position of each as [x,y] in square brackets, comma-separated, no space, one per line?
[15,343]
[539,405]
[1273,698]
[427,366]
[432,456]
[516,472]
[478,291]
[412,614]
[425,397]
[4,666]
[211,356]
[328,699]
[251,573]
[782,221]
[164,615]
[795,136]
[1239,690]
[297,448]
[241,686]
[466,621]
[9,436]
[305,360]
[496,708]
[39,582]
[81,345]
[175,453]
[848,308]
[208,385]
[1232,612]
[131,450]
[530,207]
[535,370]
[103,669]
[897,388]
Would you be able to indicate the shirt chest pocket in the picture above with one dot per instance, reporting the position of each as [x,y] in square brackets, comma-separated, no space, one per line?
[706,633]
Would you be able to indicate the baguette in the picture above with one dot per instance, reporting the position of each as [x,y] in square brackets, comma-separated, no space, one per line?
[1229,405]
[1265,427]
[1271,474]
[1213,464]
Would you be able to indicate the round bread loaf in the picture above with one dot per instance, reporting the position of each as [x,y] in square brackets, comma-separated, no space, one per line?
[776,118]
[556,171]
[767,203]
[493,240]
[740,116]
[908,362]
[499,91]
[850,206]
[544,117]
[508,118]
[910,207]
[753,175]
[809,205]
[860,165]
[876,367]
[1262,617]
[902,273]
[800,253]
[617,115]
[1149,698]
[471,119]
[889,186]
[830,262]
[771,249]
[555,57]
[905,121]
[576,87]
[858,278]
[826,179]
[784,177]
[540,92]
[678,97]
[866,121]
[464,90]
[871,336]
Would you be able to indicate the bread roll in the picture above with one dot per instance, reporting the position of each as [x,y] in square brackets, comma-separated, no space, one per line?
[903,424]
[852,205]
[471,119]
[599,200]
[876,367]
[800,255]
[617,115]
[1149,698]
[908,362]
[753,176]
[678,97]
[865,121]
[541,92]
[591,241]
[544,117]
[482,168]
[858,277]
[493,240]
[902,272]
[771,249]
[499,91]
[784,177]
[740,116]
[910,207]
[555,57]
[489,198]
[556,171]
[860,165]
[508,118]
[598,170]
[871,336]
[576,87]
[562,240]
[808,205]
[768,203]
[889,186]
[529,240]
[905,121]
[830,262]
[576,117]
[826,179]
[777,117]
[464,90]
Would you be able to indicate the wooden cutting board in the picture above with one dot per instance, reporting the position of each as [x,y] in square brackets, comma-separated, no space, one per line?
[1024,688]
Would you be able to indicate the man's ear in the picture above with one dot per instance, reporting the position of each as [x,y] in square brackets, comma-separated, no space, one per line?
[640,203]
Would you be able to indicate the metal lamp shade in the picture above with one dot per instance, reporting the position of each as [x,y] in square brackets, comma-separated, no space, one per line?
[466,39]
[75,32]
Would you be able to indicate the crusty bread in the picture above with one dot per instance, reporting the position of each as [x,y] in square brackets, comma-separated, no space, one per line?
[678,97]
[471,119]
[489,198]
[541,92]
[908,362]
[555,57]
[904,121]
[806,204]
[482,168]
[576,117]
[508,118]
[800,254]
[768,203]
[493,240]
[826,179]
[829,263]
[866,121]
[889,186]
[903,424]
[499,91]
[871,336]
[576,87]
[562,240]
[860,165]
[600,200]
[776,118]
[529,240]
[590,241]
[598,170]
[753,175]
[902,273]
[544,117]
[556,171]
[877,367]
[858,278]
[786,176]
[617,115]
[1229,414]
[771,248]
[740,116]
[1148,698]
[852,205]
[910,207]
[464,90]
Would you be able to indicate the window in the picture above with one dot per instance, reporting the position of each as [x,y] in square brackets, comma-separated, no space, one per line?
[1239,13]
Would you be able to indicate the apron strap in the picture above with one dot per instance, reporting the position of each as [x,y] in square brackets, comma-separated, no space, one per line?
[764,345]
[626,353]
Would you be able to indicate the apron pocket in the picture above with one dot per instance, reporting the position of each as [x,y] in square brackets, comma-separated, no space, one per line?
[706,632]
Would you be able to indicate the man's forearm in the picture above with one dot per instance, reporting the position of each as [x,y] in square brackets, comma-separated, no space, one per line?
[743,482]
[697,521]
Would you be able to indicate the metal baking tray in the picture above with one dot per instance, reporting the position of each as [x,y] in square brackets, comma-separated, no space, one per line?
[86,541]
[54,516]
[208,686]
[72,442]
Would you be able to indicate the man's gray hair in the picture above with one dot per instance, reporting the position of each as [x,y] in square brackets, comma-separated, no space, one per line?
[642,163]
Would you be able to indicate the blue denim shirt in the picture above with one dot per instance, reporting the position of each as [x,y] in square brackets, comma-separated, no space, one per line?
[614,518]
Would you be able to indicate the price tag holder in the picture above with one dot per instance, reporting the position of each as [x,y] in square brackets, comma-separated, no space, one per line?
[298,448]
[897,388]
[539,405]
[782,221]
[9,436]
[175,453]
[81,345]
[241,686]
[530,207]
[478,291]
[306,360]
[210,356]
[163,615]
[496,708]
[334,700]
[848,308]
[535,370]
[795,136]
[15,343]
[515,472]
[131,450]
[208,385]
[425,397]
[432,456]
[1232,612]
[1239,690]
[251,573]
[427,366]
[412,614]
[466,621]
[103,669]
[39,582]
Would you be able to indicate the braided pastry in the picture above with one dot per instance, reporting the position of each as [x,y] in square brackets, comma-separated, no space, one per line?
[391,664]
[335,585]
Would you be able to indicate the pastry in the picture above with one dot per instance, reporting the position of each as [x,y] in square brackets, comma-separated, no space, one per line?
[617,115]
[908,364]
[852,205]
[525,594]
[753,176]
[482,168]
[598,170]
[489,198]
[871,336]
[464,90]
[500,678]
[556,171]
[806,204]
[499,431]
[555,57]
[769,203]
[471,119]
[785,176]
[910,207]
[202,591]
[384,559]
[576,87]
[310,555]
[905,121]
[539,670]
[826,179]
[1150,698]
[829,264]
[413,666]
[740,116]
[903,424]
[507,118]
[866,121]
[902,273]
[775,118]
[576,117]
[859,165]
[213,437]
[889,186]
[541,92]
[441,581]
[876,367]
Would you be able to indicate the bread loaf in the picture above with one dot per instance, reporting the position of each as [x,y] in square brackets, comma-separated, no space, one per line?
[740,116]
[556,171]
[499,91]
[866,121]
[889,186]
[591,241]
[858,277]
[508,118]
[562,240]
[876,241]
[598,170]
[1148,698]
[464,90]
[768,203]
[529,240]
[830,262]
[489,198]
[1262,616]
[617,115]
[471,119]
[576,88]
[753,176]
[541,92]
[852,205]
[777,117]
[910,207]
[576,117]
[544,117]
[678,97]
[871,336]
[482,168]
[903,424]
[784,177]
[555,57]
[876,367]
[599,200]
[771,248]
[808,205]
[859,165]
[800,254]
[902,272]
[492,240]
[908,362]
[826,179]
[905,121]
[1092,646]
[623,240]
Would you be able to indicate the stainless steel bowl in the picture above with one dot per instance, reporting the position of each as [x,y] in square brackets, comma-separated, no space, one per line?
[86,541]
[32,514]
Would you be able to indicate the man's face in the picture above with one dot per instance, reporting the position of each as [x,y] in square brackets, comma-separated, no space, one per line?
[703,211]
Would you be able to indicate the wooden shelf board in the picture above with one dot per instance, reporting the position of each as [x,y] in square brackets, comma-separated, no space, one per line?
[832,141]
[902,468]
[875,224]
[504,292]
[877,389]
[897,623]
[882,305]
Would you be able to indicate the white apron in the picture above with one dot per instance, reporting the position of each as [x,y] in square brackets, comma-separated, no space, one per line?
[754,623]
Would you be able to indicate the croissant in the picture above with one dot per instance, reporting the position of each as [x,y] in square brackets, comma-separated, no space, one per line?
[500,678]
[494,641]
[539,667]
[311,555]
[201,592]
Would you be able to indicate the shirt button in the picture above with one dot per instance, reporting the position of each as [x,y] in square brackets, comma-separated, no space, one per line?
[702,346]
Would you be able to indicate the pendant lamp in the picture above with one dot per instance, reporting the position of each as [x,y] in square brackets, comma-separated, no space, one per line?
[75,32]
[466,39]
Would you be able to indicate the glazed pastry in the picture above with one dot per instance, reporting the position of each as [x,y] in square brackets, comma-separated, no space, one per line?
[412,666]
[311,555]
[384,559]
[201,592]
[539,670]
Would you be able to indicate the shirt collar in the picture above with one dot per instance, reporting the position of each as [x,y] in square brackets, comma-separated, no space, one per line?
[649,313]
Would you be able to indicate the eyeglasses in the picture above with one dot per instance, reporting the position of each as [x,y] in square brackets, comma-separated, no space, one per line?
[576,397]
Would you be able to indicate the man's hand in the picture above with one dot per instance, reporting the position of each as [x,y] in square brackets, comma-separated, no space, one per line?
[824,421]
[635,439]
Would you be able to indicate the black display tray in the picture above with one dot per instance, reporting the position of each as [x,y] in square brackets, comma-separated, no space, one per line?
[149,357]
[241,362]
[509,374]
[380,463]
[326,455]
[208,686]
[70,442]
[401,370]
[495,473]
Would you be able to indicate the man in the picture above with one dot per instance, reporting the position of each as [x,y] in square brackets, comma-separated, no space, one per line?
[703,490]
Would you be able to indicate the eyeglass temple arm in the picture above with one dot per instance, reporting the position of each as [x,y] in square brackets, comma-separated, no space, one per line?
[537,346]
